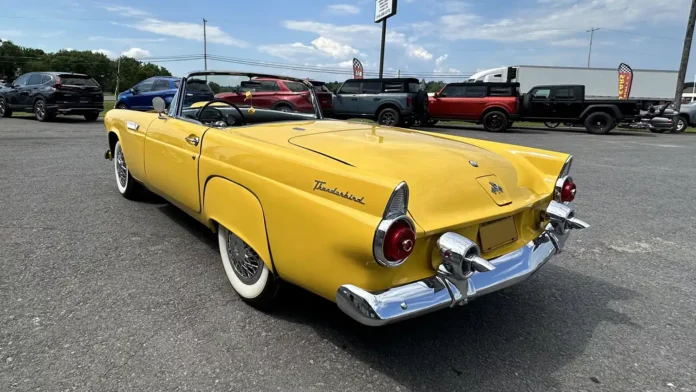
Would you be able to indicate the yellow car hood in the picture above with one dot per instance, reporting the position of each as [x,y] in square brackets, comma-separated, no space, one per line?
[451,183]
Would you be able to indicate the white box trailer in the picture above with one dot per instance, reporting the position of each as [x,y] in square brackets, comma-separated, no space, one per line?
[658,85]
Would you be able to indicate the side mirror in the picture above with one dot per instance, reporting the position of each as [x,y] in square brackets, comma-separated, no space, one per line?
[159,105]
[435,95]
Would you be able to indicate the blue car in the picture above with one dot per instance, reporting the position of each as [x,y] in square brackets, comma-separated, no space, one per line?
[140,96]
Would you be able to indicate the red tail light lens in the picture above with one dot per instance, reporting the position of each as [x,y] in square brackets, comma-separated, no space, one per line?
[568,191]
[399,241]
[409,100]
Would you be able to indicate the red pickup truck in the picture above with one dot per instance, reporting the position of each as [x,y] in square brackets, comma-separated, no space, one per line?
[495,105]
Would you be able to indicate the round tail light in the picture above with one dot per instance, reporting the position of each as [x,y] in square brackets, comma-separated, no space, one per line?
[399,241]
[568,191]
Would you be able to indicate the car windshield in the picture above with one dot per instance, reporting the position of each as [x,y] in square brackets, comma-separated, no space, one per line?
[259,99]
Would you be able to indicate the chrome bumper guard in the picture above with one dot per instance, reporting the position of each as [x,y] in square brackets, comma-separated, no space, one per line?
[462,276]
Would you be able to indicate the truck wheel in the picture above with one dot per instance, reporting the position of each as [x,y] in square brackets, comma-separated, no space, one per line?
[495,121]
[599,123]
[681,124]
[389,117]
[552,124]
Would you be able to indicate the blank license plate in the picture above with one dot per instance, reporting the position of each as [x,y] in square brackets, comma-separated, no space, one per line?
[498,233]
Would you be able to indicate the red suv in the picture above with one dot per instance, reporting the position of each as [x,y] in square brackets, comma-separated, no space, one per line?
[494,105]
[280,94]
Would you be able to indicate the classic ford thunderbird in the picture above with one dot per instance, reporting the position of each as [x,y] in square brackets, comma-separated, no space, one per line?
[388,223]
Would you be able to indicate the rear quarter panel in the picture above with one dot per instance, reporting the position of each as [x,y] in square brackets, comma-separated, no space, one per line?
[318,241]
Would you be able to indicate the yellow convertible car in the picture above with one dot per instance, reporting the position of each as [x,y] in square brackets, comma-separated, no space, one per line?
[389,223]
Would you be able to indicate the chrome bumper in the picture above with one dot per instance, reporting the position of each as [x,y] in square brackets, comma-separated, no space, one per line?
[463,275]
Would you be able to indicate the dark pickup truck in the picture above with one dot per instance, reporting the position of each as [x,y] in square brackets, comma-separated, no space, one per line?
[567,103]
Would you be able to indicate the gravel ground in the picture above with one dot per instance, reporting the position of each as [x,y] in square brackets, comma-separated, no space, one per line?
[98,293]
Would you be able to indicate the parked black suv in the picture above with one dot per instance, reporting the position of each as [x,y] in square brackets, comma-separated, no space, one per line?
[394,102]
[47,94]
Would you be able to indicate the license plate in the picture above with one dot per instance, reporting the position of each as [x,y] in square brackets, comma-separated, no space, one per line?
[497,233]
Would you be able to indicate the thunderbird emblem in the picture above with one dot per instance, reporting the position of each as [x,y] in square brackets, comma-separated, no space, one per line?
[495,188]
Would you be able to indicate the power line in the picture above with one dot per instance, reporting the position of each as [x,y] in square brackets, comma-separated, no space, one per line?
[640,35]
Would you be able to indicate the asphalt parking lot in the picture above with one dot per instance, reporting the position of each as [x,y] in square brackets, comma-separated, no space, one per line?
[100,293]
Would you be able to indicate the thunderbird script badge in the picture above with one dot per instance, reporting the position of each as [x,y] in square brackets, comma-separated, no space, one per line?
[495,188]
[319,186]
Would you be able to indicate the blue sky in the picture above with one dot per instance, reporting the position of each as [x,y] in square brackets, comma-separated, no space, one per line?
[433,37]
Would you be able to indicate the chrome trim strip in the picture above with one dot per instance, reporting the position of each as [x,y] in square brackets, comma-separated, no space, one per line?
[428,295]
[133,126]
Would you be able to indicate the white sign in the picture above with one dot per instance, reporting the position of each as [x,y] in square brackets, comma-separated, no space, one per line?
[384,9]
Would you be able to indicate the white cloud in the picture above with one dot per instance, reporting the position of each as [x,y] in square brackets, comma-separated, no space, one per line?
[321,47]
[343,9]
[186,30]
[125,40]
[136,53]
[68,49]
[358,37]
[556,23]
[348,64]
[126,11]
[571,42]
[289,51]
[419,52]
[441,59]
[105,52]
[333,48]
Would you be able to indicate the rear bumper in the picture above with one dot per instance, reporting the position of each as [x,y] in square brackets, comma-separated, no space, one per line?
[76,108]
[446,289]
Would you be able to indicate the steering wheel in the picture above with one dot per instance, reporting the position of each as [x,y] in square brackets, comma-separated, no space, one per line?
[198,115]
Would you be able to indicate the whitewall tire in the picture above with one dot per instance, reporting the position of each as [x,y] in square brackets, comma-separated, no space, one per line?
[246,271]
[125,183]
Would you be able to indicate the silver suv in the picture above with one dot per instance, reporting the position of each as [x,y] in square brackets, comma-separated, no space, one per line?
[393,102]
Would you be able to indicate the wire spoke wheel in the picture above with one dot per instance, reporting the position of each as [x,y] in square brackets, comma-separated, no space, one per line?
[246,263]
[2,107]
[121,168]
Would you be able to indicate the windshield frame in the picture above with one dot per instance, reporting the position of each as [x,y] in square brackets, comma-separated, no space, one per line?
[181,92]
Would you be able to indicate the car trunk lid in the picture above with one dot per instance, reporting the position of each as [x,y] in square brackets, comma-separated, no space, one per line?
[451,183]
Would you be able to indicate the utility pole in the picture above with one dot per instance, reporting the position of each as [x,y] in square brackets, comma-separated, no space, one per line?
[589,55]
[205,47]
[381,53]
[685,56]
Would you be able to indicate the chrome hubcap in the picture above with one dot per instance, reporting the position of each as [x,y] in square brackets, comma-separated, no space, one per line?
[680,125]
[2,107]
[121,168]
[245,261]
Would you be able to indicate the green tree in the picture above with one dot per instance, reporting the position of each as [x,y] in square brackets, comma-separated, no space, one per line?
[16,60]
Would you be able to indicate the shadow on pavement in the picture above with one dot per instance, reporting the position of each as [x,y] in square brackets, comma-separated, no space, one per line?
[59,119]
[505,341]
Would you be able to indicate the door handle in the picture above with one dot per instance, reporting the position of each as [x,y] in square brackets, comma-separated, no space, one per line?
[353,99]
[376,99]
[193,140]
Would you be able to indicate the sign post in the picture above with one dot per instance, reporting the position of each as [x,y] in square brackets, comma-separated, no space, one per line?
[384,9]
